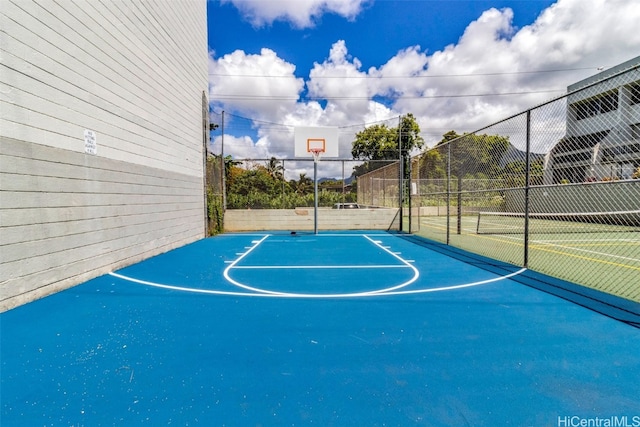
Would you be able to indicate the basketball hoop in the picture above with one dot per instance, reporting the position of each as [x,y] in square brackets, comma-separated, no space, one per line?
[316,153]
[315,142]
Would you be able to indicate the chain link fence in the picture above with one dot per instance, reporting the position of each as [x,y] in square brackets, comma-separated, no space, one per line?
[214,179]
[555,189]
[288,183]
[381,187]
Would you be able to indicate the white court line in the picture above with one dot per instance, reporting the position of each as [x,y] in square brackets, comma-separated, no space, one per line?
[466,285]
[589,240]
[405,264]
[289,295]
[182,288]
[571,248]
[232,265]
[256,292]
[416,273]
[312,267]
[565,247]
[604,254]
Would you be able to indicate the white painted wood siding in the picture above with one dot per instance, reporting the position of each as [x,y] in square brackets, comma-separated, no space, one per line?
[134,73]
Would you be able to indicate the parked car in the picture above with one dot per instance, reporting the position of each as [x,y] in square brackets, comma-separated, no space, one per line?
[346,206]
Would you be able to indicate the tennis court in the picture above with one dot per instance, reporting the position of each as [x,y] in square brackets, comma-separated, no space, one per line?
[600,256]
[333,329]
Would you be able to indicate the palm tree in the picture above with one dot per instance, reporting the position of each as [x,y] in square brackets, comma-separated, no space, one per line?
[303,185]
[275,168]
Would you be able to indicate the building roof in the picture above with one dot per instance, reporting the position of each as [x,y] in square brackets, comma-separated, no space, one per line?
[634,62]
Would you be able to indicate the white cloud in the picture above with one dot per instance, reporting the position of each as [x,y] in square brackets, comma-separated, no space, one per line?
[263,85]
[491,57]
[300,13]
[340,80]
[567,35]
[243,147]
[264,88]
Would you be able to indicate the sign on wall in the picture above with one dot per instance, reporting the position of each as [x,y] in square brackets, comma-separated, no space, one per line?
[90,142]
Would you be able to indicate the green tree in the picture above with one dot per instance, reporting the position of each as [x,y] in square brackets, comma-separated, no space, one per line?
[275,169]
[253,181]
[473,154]
[432,165]
[304,185]
[377,142]
[231,171]
[380,145]
[410,138]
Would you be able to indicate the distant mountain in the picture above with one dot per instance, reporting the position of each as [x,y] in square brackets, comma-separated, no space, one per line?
[513,155]
[347,181]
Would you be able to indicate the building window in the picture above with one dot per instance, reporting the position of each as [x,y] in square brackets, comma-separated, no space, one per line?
[578,143]
[620,151]
[576,158]
[634,93]
[599,105]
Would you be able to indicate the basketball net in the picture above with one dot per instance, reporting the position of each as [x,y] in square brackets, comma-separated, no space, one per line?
[316,153]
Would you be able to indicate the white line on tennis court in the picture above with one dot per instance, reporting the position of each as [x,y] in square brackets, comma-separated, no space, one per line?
[573,248]
[590,241]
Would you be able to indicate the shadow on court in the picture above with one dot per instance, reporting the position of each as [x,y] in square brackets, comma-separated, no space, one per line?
[236,331]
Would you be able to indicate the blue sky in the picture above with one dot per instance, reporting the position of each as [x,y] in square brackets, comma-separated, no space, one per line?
[381,30]
[278,64]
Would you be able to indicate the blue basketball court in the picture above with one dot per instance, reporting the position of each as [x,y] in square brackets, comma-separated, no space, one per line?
[333,329]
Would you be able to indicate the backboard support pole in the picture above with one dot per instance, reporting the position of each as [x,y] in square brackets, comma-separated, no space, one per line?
[316,152]
[315,196]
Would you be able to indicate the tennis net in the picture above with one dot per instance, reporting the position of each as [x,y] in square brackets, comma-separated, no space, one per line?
[555,223]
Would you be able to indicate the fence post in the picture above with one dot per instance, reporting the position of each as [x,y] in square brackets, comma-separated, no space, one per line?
[206,137]
[401,167]
[527,176]
[284,198]
[224,169]
[459,199]
[408,190]
[343,184]
[448,189]
[371,191]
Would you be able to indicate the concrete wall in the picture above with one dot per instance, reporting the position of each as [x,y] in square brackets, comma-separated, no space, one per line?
[131,73]
[303,219]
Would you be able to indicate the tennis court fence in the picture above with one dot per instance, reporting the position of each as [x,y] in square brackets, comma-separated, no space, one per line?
[555,188]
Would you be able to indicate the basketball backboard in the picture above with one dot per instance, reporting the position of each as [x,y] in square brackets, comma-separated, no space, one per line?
[307,139]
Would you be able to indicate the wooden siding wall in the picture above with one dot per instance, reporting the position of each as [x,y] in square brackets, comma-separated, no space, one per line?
[133,73]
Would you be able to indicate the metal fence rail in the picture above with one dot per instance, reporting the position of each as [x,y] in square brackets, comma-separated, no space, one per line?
[578,154]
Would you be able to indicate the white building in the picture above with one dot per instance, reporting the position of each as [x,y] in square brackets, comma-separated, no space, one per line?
[602,140]
[102,137]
